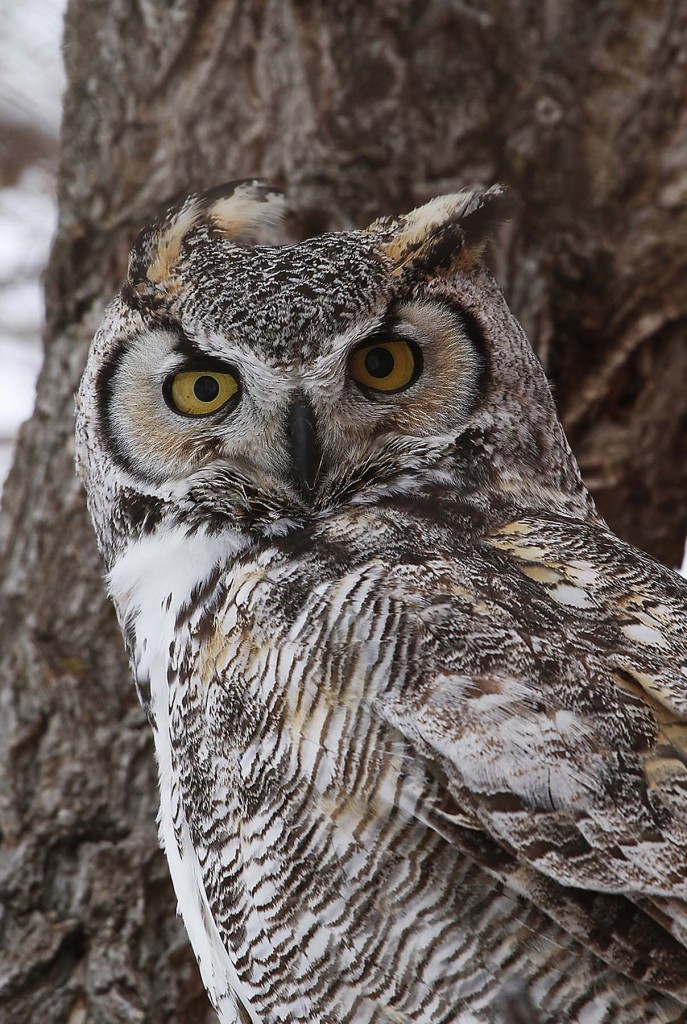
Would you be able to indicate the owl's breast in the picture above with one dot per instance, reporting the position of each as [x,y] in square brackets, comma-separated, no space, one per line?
[301,810]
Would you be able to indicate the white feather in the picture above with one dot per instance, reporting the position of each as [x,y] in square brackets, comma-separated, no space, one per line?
[149,584]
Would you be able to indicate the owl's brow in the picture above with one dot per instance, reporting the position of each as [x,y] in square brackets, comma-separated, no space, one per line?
[378,327]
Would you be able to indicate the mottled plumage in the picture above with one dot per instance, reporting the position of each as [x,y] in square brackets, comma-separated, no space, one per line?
[420,718]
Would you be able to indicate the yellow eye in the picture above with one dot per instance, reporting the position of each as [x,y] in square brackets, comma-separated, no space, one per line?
[386,365]
[200,392]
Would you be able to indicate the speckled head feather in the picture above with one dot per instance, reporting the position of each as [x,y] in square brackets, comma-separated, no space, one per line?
[420,718]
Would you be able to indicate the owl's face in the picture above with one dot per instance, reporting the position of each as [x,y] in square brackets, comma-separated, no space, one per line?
[257,387]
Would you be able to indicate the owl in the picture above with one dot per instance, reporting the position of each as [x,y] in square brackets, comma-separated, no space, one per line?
[420,718]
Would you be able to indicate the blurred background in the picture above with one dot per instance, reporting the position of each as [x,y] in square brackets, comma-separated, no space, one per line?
[31,87]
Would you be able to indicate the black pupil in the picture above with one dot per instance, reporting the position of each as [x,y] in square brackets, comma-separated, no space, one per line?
[379,362]
[206,389]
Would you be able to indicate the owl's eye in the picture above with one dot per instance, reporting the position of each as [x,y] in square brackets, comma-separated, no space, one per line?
[386,365]
[200,392]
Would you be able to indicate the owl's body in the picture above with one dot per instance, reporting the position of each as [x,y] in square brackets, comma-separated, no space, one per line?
[420,718]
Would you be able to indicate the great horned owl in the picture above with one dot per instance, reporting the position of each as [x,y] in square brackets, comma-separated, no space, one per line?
[420,718]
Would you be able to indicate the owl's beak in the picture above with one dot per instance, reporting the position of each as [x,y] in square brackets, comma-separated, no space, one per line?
[306,454]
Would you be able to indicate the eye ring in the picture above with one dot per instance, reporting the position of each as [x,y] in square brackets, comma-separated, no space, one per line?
[387,366]
[202,391]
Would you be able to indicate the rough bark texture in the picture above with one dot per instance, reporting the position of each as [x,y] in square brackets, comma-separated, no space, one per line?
[357,109]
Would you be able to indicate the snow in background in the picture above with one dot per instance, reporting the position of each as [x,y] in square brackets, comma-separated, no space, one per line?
[31,72]
[31,87]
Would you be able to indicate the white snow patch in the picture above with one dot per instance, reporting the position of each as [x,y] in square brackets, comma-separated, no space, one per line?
[31,86]
[27,221]
[21,363]
[31,74]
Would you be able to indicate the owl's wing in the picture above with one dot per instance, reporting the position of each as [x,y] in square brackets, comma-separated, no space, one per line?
[548,688]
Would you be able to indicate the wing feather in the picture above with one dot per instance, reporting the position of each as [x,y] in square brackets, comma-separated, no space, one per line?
[551,689]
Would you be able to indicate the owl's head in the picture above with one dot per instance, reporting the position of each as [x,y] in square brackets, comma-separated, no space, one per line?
[237,384]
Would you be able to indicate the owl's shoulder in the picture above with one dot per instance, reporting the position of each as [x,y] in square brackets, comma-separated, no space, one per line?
[610,593]
[532,576]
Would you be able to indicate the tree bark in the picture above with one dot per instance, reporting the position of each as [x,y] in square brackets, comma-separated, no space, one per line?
[357,110]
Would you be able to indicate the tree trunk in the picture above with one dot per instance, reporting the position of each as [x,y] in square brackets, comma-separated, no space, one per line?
[357,109]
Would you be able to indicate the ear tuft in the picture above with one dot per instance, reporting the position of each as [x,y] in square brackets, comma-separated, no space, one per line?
[446,234]
[487,211]
[242,211]
[245,211]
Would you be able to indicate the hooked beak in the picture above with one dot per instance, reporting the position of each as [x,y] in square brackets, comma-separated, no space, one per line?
[306,454]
